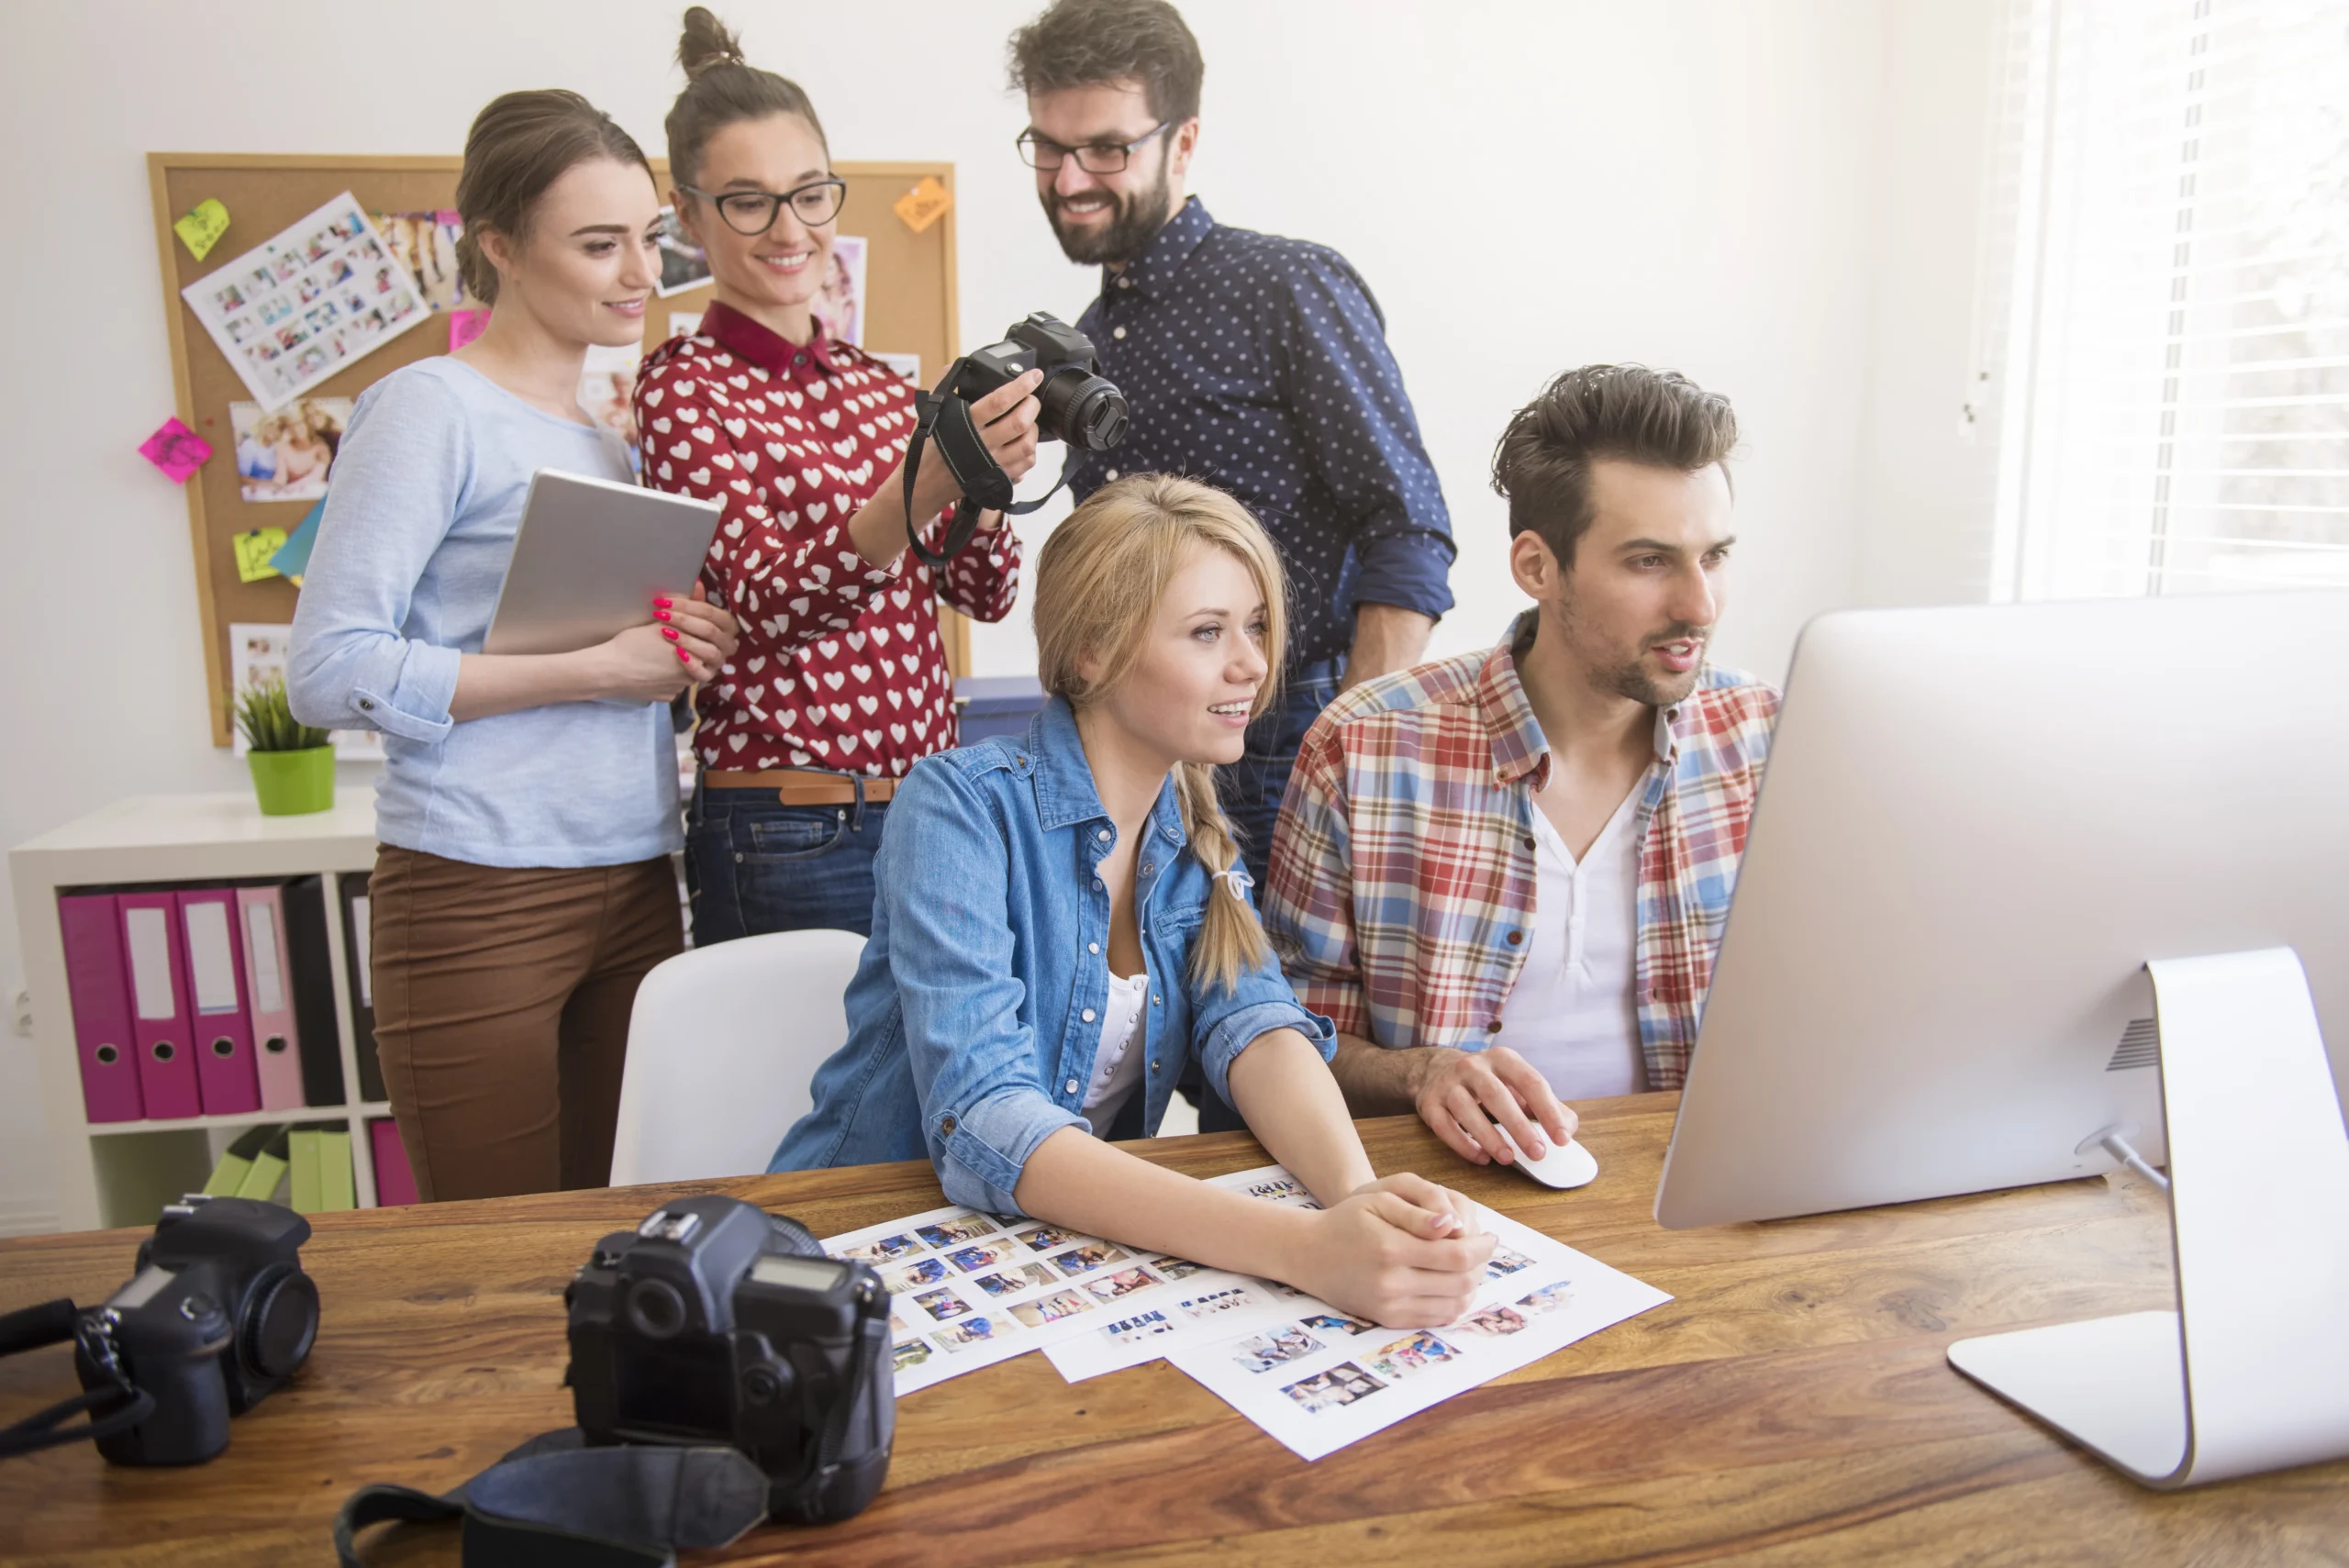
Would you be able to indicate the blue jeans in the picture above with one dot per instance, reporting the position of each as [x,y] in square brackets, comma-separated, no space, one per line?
[1251,790]
[755,865]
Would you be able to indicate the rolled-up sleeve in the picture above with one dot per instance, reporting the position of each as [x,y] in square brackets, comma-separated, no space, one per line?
[398,476]
[943,878]
[1226,1022]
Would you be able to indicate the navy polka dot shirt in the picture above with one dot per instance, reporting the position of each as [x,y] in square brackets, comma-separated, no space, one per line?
[1260,365]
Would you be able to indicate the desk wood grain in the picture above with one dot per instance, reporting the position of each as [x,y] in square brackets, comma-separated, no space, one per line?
[1790,1405]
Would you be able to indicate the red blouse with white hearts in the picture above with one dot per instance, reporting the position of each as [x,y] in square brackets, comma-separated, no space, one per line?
[839,665]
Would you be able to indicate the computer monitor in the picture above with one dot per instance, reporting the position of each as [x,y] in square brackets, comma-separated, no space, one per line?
[1977,825]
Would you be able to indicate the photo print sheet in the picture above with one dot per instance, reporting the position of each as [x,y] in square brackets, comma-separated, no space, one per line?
[968,1289]
[1319,1379]
[294,309]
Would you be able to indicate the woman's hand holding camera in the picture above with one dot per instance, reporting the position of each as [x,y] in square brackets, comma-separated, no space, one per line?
[1006,420]
[1401,1251]
[687,641]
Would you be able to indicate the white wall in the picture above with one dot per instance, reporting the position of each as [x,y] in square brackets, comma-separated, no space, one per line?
[1748,193]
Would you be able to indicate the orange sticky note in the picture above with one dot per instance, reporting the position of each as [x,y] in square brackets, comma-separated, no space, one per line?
[925,204]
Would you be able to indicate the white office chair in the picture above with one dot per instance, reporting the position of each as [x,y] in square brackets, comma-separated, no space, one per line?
[722,1047]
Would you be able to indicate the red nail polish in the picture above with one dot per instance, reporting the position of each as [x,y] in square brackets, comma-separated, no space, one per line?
[659,614]
[662,604]
[669,632]
[683,656]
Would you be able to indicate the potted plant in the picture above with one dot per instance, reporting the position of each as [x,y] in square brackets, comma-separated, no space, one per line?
[293,765]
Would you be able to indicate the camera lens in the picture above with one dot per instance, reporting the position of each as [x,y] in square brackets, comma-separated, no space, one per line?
[1084,410]
[655,1308]
[281,1323]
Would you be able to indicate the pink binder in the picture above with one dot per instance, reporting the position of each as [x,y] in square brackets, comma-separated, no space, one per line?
[100,992]
[224,1077]
[268,995]
[394,1181]
[159,1010]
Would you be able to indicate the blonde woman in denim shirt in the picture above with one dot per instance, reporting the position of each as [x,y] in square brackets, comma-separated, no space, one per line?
[1060,926]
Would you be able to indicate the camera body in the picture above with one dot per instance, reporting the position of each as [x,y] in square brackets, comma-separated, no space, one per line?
[714,1322]
[218,1315]
[1080,406]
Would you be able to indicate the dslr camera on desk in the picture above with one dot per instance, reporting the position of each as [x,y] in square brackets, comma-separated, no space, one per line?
[723,1371]
[217,1315]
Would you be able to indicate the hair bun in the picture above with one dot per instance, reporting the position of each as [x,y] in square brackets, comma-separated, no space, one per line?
[706,44]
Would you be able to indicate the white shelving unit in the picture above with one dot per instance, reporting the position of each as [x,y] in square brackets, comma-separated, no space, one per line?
[111,1173]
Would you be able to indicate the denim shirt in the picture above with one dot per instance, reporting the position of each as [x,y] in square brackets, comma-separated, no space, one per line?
[975,1013]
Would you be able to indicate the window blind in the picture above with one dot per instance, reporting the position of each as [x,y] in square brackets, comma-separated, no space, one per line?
[2163,316]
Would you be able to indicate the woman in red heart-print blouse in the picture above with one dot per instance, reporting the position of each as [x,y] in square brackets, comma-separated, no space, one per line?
[839,685]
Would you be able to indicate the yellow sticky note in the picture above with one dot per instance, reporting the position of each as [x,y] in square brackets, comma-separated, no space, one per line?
[925,204]
[201,227]
[253,551]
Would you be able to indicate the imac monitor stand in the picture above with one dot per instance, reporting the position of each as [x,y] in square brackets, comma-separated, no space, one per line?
[1986,837]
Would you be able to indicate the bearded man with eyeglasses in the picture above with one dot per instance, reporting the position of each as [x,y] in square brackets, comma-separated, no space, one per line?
[1255,363]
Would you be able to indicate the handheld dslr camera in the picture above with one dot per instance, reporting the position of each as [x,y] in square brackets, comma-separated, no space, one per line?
[1079,406]
[714,1322]
[218,1315]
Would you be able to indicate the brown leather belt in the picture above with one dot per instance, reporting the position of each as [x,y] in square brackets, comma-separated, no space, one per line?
[798,788]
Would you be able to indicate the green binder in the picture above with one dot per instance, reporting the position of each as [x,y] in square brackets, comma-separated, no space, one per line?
[227,1178]
[337,1188]
[302,1169]
[268,1167]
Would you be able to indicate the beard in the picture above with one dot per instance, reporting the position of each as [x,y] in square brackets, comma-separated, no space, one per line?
[1618,676]
[1135,219]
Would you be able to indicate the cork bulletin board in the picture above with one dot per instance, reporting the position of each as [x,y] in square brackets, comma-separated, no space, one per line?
[909,303]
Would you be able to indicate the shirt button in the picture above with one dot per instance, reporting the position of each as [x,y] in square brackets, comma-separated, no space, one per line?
[1096,884]
[1103,835]
[1093,946]
[947,1127]
[1125,283]
[1087,1014]
[1515,938]
[1113,476]
[1528,841]
[798,359]
[368,704]
[1147,868]
[1072,1086]
[1493,1027]
[1153,998]
[1118,333]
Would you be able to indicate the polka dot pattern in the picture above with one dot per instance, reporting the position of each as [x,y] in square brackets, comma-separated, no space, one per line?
[839,665]
[1260,365]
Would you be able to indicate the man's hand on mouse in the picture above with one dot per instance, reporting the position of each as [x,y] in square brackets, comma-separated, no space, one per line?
[1462,1095]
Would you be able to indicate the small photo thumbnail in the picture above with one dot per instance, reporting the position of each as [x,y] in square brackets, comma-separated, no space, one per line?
[942,1304]
[919,1274]
[1214,1303]
[1134,1330]
[1125,1282]
[1412,1353]
[1334,1389]
[980,1255]
[1084,1260]
[1044,1238]
[881,1250]
[1548,1298]
[1339,1323]
[963,1335]
[1262,1353]
[1176,1268]
[1492,1323]
[1051,1308]
[913,1352]
[1011,1282]
[954,1232]
[1505,1261]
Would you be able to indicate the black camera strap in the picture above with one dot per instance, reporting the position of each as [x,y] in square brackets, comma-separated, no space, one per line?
[112,1409]
[944,417]
[556,1502]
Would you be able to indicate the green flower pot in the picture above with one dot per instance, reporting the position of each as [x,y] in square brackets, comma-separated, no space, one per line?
[291,783]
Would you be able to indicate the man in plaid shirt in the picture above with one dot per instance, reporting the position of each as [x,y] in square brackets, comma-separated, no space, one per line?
[1519,861]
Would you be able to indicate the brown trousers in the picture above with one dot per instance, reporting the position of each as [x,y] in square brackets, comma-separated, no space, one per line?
[502,1001]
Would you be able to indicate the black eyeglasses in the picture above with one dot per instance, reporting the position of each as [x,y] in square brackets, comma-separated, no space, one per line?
[753,212]
[1095,158]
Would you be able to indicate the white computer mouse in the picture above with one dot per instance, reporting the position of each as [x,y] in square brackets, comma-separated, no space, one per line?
[1567,1165]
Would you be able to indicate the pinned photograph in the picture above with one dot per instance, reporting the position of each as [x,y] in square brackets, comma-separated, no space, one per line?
[954,1232]
[1262,1353]
[880,1251]
[1334,1389]
[840,304]
[1505,1261]
[1339,1323]
[1548,1298]
[682,265]
[607,390]
[1411,1355]
[426,244]
[983,1255]
[1492,1322]
[963,1335]
[942,1304]
[919,1274]
[1123,1282]
[1011,1282]
[1044,1238]
[1084,1260]
[1134,1330]
[912,1354]
[1214,1303]
[1051,1308]
[1175,1268]
[286,456]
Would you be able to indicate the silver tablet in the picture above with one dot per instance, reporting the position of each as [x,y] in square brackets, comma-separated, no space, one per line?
[588,558]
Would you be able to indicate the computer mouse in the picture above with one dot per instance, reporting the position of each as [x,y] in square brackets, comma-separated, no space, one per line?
[1567,1165]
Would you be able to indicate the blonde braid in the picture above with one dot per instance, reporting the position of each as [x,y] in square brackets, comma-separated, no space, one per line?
[1232,941]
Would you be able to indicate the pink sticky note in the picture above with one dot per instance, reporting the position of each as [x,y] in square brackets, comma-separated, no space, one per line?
[464,326]
[176,450]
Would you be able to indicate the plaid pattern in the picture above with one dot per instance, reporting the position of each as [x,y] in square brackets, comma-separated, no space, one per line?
[1404,860]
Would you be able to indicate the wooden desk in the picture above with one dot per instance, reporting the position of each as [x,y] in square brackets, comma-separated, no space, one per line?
[1790,1405]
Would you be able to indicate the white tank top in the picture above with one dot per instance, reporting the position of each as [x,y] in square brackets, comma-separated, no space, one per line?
[1117,1061]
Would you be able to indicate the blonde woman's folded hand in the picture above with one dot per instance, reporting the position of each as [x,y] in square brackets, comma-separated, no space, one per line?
[1400,1250]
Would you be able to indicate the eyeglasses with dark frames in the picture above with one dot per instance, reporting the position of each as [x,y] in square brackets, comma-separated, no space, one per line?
[1042,153]
[753,212]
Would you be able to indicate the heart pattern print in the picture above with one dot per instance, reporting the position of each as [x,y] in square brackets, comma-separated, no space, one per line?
[841,665]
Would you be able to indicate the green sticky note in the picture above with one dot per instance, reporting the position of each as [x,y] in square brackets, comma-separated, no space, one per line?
[253,551]
[201,227]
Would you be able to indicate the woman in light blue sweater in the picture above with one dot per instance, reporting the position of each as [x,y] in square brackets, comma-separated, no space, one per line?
[528,803]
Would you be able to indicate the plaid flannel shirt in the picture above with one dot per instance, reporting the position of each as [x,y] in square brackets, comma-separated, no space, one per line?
[1402,877]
